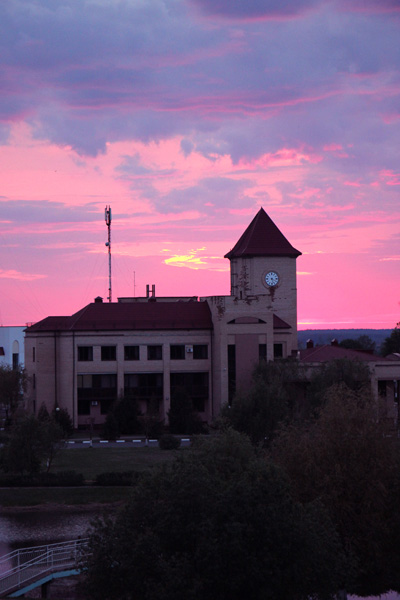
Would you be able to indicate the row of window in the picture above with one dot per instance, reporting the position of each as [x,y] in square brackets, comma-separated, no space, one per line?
[154,352]
[94,389]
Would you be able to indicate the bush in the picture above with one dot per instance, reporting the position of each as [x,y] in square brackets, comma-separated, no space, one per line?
[69,479]
[64,421]
[169,442]
[62,479]
[110,430]
[115,478]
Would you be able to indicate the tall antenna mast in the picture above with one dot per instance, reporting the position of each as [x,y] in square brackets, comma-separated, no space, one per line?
[107,216]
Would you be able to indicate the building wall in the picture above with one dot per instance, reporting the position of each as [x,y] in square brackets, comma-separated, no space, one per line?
[248,280]
[12,343]
[231,318]
[54,366]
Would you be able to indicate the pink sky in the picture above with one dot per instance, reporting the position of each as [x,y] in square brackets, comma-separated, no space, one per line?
[186,116]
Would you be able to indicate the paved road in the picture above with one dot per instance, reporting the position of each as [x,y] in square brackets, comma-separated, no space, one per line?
[129,442]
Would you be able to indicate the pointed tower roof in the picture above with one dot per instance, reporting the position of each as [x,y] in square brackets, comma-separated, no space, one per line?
[262,238]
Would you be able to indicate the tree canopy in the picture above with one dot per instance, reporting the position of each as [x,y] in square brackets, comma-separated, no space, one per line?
[272,398]
[354,374]
[345,459]
[392,343]
[31,443]
[12,386]
[362,342]
[218,523]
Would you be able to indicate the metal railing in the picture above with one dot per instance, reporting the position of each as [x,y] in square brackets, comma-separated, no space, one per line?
[28,564]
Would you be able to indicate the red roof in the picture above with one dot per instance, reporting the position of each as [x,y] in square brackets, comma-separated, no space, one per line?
[326,353]
[262,238]
[99,316]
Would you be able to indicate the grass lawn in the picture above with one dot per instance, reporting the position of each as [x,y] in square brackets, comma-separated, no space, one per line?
[93,461]
[90,462]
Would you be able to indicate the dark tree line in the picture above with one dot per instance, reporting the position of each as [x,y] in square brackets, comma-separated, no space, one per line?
[218,523]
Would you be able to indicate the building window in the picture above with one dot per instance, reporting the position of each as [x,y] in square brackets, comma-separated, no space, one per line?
[382,389]
[34,381]
[109,353]
[193,386]
[33,354]
[85,353]
[262,352]
[96,388]
[146,388]
[231,372]
[83,407]
[177,351]
[15,361]
[131,353]
[278,350]
[154,352]
[200,351]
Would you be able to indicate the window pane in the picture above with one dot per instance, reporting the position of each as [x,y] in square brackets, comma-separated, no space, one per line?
[154,352]
[200,351]
[278,350]
[177,351]
[85,353]
[131,353]
[109,353]
[83,407]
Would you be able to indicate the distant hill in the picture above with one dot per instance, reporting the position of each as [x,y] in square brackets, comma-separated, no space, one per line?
[325,336]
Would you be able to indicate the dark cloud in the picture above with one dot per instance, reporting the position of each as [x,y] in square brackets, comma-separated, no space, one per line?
[210,195]
[255,9]
[45,211]
[90,72]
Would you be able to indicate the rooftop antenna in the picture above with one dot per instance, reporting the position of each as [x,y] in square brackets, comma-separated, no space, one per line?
[107,216]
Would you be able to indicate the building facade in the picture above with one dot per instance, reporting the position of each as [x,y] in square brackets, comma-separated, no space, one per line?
[152,348]
[12,346]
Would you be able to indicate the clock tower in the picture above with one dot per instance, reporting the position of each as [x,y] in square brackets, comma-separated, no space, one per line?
[263,263]
[258,320]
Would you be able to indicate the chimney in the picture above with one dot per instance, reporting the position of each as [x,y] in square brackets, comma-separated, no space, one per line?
[98,300]
[309,344]
[334,342]
[153,291]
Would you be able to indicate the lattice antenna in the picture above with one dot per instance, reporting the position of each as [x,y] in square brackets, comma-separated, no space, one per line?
[107,216]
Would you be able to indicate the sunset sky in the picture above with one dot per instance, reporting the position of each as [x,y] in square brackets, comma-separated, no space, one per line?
[187,116]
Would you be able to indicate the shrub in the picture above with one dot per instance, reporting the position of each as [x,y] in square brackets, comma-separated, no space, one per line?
[169,442]
[110,430]
[61,479]
[62,418]
[115,478]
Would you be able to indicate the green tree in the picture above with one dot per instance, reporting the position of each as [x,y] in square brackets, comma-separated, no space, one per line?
[62,418]
[274,396]
[127,414]
[354,374]
[110,430]
[218,523]
[182,416]
[392,343]
[345,460]
[31,445]
[362,342]
[13,384]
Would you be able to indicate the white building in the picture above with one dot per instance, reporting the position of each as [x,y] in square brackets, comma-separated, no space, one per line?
[12,346]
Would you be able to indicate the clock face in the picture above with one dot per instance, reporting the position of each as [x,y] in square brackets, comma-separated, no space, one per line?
[271,278]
